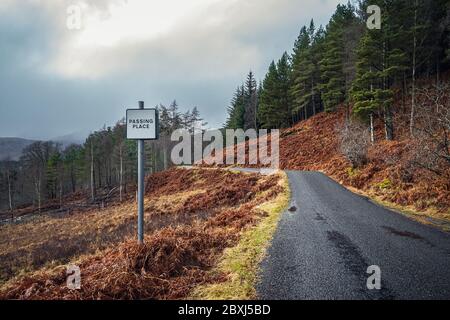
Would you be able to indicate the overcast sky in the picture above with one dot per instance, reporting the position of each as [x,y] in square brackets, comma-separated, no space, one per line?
[55,81]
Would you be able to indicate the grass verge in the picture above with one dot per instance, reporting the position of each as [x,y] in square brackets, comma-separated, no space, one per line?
[241,263]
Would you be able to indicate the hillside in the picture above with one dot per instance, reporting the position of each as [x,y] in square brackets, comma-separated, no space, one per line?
[11,148]
[394,172]
[77,138]
[191,217]
[388,175]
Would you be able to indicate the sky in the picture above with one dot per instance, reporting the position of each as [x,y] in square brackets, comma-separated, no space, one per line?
[57,80]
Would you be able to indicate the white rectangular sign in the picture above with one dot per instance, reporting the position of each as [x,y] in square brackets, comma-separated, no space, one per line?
[142,124]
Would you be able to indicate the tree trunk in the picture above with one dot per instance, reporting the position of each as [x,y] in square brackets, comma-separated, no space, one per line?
[154,159]
[60,193]
[413,89]
[92,174]
[9,192]
[313,98]
[404,91]
[10,198]
[121,173]
[165,157]
[372,134]
[99,176]
[347,111]
[40,196]
[388,123]
[37,186]
[73,180]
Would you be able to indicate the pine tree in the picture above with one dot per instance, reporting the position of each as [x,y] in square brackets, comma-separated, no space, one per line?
[275,107]
[284,103]
[251,101]
[317,51]
[366,88]
[268,99]
[236,110]
[73,163]
[53,174]
[302,73]
[305,90]
[380,63]
[333,62]
[423,29]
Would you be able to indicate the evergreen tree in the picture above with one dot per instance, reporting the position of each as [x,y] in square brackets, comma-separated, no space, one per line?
[73,163]
[423,32]
[317,51]
[251,102]
[350,61]
[366,90]
[333,62]
[236,110]
[284,103]
[302,73]
[381,61]
[54,165]
[305,90]
[275,108]
[267,112]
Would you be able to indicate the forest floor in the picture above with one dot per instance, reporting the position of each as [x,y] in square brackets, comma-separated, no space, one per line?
[194,219]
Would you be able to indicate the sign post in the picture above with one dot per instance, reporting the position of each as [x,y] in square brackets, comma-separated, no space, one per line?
[142,124]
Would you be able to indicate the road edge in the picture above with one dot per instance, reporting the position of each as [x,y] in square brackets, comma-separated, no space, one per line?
[242,262]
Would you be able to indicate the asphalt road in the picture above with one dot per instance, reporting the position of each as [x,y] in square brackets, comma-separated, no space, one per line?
[322,249]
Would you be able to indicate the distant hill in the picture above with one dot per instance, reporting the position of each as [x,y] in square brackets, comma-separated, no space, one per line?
[11,148]
[73,138]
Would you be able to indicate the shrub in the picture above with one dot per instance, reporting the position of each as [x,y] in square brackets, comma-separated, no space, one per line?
[354,143]
[431,148]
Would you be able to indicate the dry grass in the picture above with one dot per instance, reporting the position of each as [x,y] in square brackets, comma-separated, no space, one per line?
[184,239]
[240,264]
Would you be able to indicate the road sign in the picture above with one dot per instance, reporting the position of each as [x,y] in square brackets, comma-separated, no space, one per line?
[142,124]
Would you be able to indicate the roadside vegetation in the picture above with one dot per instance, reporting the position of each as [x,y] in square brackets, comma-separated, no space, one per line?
[192,218]
[240,264]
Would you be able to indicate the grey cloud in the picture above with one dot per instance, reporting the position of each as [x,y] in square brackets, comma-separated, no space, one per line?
[198,63]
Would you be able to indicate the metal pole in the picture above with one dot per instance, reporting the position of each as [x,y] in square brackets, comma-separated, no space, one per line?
[141,186]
